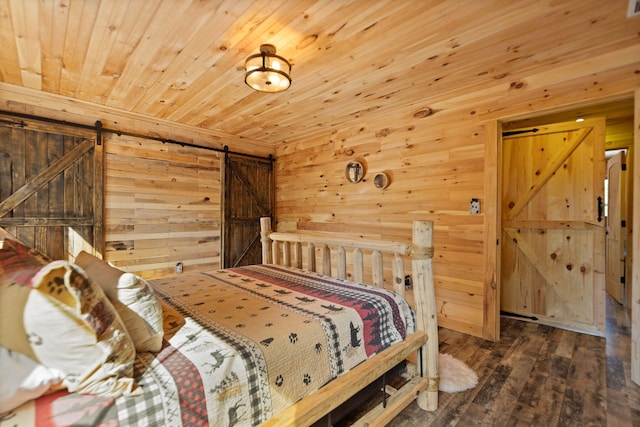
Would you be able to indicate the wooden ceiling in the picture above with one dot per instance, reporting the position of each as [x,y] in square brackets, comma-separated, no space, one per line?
[182,60]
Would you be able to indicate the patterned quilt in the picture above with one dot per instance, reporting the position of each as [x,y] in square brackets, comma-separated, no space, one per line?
[240,345]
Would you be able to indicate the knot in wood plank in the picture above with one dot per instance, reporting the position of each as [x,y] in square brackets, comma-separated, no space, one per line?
[425,112]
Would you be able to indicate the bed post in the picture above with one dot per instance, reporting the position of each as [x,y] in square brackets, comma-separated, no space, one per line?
[265,230]
[424,294]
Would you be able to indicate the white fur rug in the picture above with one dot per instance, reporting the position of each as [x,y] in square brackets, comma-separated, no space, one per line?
[455,375]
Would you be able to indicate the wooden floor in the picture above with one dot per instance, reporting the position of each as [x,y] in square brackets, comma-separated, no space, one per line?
[540,376]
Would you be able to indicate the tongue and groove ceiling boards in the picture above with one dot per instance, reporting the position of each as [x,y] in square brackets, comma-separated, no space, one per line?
[182,61]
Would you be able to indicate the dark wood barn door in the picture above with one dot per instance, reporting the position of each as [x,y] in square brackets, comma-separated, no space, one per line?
[552,244]
[248,194]
[51,179]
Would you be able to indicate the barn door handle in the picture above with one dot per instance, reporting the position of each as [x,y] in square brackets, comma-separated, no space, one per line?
[600,208]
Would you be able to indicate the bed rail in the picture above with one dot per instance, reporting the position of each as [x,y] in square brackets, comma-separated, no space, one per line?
[286,249]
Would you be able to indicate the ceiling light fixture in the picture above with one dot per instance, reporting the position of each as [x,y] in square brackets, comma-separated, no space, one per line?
[266,71]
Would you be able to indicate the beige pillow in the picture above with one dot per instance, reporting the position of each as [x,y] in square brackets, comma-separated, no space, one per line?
[72,327]
[133,299]
[100,272]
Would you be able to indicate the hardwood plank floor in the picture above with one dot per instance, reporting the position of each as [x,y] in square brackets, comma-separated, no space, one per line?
[537,375]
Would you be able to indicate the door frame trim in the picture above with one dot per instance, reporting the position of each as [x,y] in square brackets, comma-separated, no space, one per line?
[492,227]
[635,267]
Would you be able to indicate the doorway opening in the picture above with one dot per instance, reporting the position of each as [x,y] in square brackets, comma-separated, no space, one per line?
[616,213]
[619,130]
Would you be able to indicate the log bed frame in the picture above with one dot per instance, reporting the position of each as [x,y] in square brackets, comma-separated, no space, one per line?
[286,249]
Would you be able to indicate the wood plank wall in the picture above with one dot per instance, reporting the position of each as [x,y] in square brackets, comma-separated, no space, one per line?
[435,169]
[437,163]
[156,208]
[162,206]
[439,153]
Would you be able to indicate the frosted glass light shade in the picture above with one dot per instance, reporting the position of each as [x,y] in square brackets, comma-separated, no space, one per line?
[266,71]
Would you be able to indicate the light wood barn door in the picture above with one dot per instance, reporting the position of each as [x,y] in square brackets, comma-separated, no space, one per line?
[552,212]
[248,194]
[51,180]
[615,248]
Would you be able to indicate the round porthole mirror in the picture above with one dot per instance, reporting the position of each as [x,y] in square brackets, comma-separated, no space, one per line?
[354,172]
[381,180]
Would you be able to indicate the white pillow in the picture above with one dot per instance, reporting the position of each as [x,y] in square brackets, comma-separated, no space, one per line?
[23,379]
[133,299]
[72,326]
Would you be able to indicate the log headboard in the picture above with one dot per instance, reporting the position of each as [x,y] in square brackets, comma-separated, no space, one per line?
[287,249]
